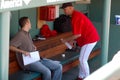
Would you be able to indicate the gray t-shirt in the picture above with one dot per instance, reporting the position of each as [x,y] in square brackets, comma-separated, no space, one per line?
[23,41]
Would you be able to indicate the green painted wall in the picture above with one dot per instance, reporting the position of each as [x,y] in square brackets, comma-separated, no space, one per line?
[96,14]
[115,10]
[114,45]
[96,10]
[14,23]
[31,13]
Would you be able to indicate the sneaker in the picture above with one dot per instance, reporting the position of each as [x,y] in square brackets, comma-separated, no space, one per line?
[80,79]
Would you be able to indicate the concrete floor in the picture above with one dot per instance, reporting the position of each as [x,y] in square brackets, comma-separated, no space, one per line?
[71,74]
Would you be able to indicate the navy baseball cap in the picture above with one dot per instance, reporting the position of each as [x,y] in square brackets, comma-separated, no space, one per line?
[66,5]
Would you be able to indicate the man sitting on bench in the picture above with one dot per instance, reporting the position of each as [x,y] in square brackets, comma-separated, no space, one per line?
[22,44]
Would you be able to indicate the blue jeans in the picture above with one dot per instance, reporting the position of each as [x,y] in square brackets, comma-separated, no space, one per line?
[45,66]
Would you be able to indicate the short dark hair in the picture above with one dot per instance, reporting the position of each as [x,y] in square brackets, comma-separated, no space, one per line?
[22,21]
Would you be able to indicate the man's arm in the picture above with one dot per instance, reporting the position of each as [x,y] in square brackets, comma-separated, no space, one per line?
[34,47]
[73,37]
[69,42]
[12,48]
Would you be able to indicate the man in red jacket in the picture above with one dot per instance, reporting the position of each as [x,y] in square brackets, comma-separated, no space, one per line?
[85,34]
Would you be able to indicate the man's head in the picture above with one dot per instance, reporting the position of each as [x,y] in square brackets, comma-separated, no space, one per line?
[68,8]
[24,22]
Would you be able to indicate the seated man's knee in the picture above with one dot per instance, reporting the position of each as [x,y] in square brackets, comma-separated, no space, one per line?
[47,74]
[60,66]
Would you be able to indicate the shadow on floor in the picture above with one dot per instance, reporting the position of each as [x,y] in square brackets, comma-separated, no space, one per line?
[73,73]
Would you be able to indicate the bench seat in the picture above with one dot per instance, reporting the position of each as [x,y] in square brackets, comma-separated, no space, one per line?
[70,56]
[22,75]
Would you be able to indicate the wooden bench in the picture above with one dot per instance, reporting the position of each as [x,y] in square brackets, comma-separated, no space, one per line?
[51,48]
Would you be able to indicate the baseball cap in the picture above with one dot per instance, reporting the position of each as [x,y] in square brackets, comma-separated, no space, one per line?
[66,5]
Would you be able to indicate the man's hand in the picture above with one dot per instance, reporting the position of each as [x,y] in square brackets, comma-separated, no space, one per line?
[72,43]
[26,53]
[66,43]
[63,40]
[35,47]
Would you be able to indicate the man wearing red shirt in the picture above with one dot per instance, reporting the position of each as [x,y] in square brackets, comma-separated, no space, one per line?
[85,34]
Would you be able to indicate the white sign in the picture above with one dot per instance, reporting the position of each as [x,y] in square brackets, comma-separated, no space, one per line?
[26,1]
[34,56]
[4,4]
[49,1]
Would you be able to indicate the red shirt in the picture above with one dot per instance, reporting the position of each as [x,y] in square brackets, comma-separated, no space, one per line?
[82,25]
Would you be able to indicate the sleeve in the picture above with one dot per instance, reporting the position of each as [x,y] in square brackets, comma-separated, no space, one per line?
[16,41]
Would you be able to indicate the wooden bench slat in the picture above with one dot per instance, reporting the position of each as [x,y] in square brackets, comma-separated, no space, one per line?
[21,75]
[51,42]
[13,67]
[94,53]
[53,51]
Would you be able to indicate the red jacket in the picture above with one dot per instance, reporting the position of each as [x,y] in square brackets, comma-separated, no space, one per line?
[82,25]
